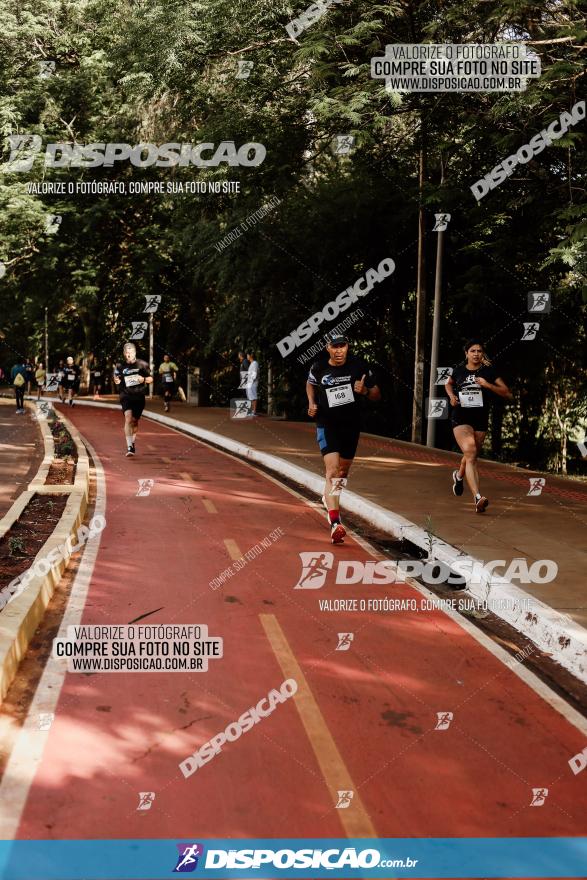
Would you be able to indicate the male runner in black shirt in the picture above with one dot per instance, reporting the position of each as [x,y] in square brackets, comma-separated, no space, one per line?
[132,378]
[69,381]
[334,389]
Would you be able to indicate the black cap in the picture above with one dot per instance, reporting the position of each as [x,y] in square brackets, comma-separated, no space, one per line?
[336,339]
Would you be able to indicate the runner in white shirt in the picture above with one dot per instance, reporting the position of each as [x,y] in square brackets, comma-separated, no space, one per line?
[252,382]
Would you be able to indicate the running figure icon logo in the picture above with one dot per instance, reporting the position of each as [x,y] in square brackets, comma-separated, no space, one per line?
[344,641]
[539,301]
[315,567]
[437,408]
[139,328]
[146,799]
[240,408]
[442,374]
[152,303]
[539,795]
[244,69]
[444,720]
[344,799]
[537,484]
[52,223]
[46,69]
[187,860]
[46,719]
[145,487]
[343,144]
[441,222]
[530,331]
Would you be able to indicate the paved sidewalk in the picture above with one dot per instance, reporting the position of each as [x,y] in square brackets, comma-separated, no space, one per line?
[21,453]
[415,482]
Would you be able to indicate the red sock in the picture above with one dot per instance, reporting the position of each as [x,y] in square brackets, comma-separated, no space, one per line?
[334,516]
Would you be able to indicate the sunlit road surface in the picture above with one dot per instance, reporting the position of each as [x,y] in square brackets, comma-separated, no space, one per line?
[434,733]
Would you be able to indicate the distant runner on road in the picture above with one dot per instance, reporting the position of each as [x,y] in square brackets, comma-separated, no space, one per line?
[470,388]
[334,389]
[69,381]
[18,379]
[132,378]
[168,373]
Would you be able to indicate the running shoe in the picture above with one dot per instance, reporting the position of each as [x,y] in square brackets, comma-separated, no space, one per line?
[457,485]
[166,407]
[337,533]
[131,450]
[481,504]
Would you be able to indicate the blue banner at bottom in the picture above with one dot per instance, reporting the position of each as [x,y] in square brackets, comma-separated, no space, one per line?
[293,858]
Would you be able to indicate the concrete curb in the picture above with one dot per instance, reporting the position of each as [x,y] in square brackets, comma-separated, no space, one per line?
[20,618]
[553,633]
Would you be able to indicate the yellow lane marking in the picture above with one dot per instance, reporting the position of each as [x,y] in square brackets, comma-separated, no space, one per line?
[187,477]
[166,460]
[354,819]
[209,505]
[233,549]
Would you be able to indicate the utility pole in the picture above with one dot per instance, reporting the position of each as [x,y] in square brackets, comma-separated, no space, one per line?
[46,342]
[418,400]
[151,353]
[442,221]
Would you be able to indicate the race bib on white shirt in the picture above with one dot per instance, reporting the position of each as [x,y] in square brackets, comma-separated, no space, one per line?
[135,379]
[339,395]
[167,377]
[471,397]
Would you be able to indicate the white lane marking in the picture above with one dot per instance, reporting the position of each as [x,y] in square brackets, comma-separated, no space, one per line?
[30,742]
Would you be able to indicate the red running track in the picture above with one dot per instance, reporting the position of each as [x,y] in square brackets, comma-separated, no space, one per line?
[365,718]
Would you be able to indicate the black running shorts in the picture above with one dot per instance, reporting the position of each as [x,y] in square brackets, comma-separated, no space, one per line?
[343,439]
[475,417]
[135,404]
